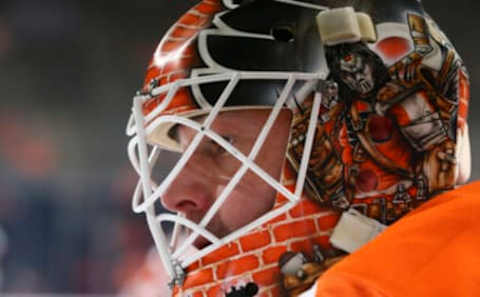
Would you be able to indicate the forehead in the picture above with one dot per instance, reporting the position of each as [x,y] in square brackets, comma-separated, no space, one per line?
[239,122]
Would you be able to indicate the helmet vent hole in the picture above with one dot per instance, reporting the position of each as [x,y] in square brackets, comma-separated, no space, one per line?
[283,33]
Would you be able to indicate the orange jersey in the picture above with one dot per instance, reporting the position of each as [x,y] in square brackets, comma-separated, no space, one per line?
[432,251]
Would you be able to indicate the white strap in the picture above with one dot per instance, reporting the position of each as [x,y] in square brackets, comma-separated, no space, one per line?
[354,230]
[344,25]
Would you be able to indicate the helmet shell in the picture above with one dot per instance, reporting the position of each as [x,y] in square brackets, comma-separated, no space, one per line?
[386,141]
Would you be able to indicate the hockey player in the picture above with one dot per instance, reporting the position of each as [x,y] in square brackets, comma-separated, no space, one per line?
[304,129]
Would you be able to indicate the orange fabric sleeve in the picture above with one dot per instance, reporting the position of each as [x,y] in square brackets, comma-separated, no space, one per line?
[433,251]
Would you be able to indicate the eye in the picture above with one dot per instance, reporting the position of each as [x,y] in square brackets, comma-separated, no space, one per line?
[284,33]
[217,148]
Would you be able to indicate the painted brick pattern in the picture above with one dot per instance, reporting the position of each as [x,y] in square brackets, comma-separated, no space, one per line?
[175,55]
[254,257]
[267,276]
[272,254]
[327,221]
[227,251]
[237,266]
[255,240]
[214,291]
[200,277]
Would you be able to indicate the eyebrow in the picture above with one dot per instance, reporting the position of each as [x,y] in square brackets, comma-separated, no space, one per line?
[173,132]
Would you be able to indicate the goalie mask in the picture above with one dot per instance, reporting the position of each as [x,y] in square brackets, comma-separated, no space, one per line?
[274,137]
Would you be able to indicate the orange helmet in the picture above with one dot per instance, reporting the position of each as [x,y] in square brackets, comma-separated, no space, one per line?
[378,99]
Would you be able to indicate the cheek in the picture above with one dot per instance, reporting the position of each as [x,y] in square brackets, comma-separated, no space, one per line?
[227,165]
[251,199]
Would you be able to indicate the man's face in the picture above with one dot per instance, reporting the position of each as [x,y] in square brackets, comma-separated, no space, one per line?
[210,168]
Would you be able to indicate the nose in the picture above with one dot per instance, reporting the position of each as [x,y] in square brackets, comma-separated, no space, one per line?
[191,191]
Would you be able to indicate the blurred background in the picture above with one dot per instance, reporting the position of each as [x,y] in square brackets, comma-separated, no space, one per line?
[68,70]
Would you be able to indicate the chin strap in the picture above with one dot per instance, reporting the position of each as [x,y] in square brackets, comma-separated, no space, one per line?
[179,277]
[354,230]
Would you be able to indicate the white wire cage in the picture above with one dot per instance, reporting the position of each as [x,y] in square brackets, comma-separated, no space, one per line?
[144,155]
